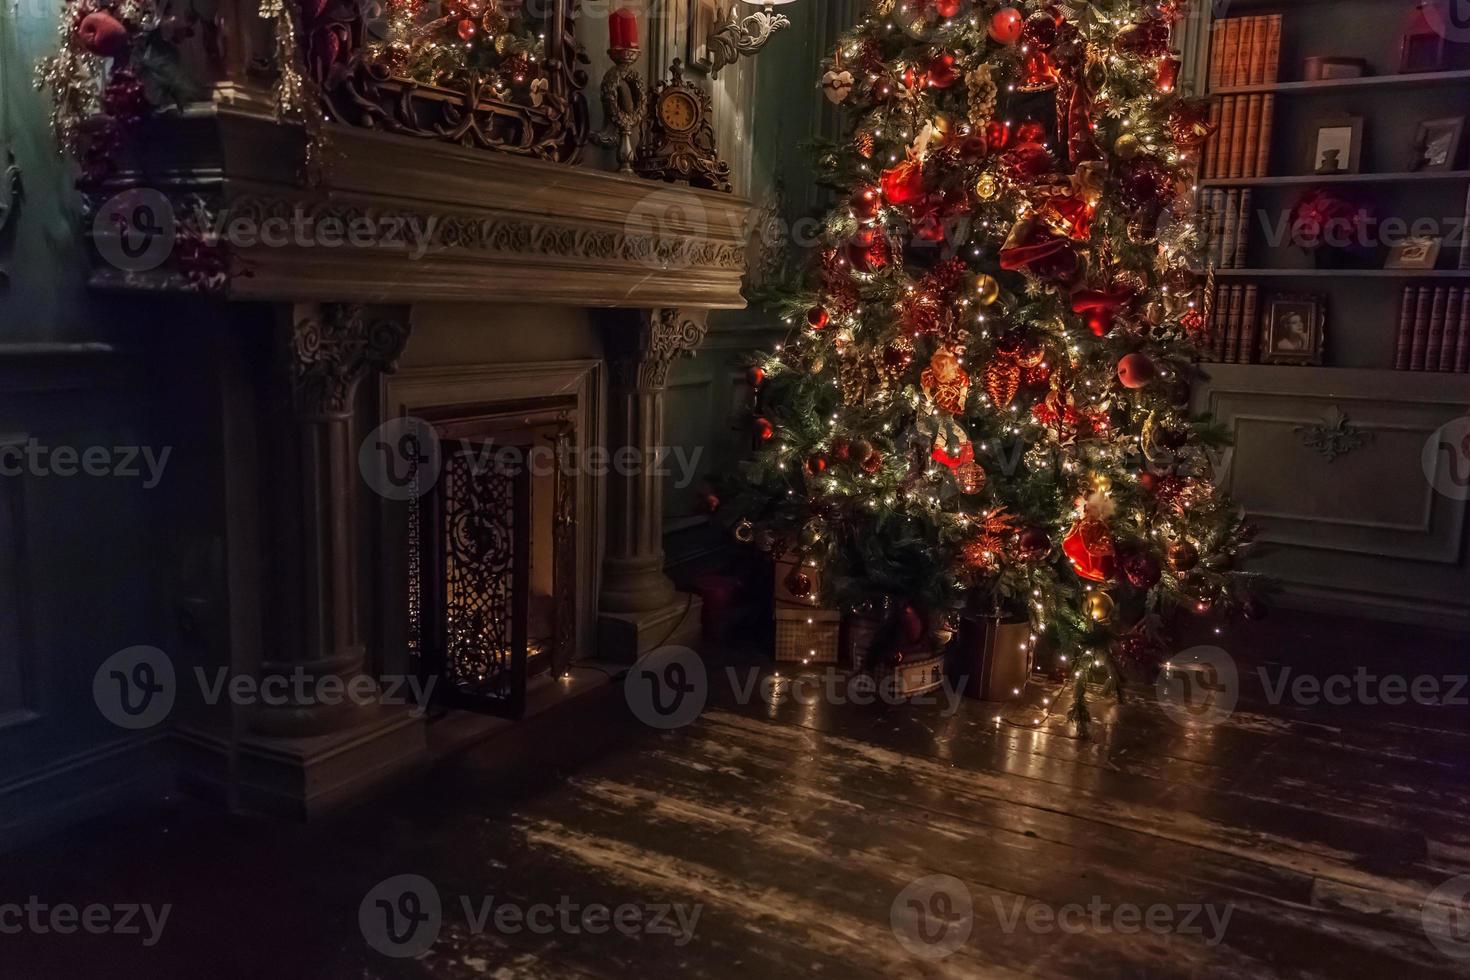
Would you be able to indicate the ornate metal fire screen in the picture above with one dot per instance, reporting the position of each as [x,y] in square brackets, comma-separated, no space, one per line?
[495,554]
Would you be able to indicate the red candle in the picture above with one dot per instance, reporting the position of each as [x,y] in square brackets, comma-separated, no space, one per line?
[622,29]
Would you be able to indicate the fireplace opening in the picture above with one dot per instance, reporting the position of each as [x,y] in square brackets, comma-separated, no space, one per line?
[492,555]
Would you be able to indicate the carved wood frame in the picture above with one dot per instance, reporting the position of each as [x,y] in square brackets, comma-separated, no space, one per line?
[358,92]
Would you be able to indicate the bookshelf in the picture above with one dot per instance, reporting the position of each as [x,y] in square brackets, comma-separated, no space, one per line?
[1361,532]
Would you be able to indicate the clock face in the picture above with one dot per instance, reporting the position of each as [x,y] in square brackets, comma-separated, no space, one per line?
[677,111]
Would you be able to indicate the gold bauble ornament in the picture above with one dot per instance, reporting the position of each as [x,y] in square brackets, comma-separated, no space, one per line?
[985,288]
[1127,146]
[987,187]
[1099,606]
[1181,555]
[744,531]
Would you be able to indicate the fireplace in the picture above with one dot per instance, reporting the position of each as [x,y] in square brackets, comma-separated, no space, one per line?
[492,553]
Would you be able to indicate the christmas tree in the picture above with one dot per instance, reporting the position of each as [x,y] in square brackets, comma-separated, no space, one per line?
[983,405]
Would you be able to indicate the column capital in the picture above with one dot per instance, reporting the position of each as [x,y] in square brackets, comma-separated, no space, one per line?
[333,346]
[642,344]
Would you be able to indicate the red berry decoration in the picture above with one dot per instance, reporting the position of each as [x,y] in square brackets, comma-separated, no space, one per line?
[1136,370]
[756,376]
[764,430]
[103,34]
[1031,131]
[817,317]
[997,134]
[865,203]
[1006,26]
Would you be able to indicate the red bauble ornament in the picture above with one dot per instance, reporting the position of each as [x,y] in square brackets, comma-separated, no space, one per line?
[1032,543]
[465,29]
[842,448]
[817,317]
[865,203]
[1031,131]
[1141,569]
[756,376]
[799,583]
[997,134]
[942,70]
[1168,74]
[1148,482]
[1136,370]
[948,8]
[816,463]
[1089,546]
[709,502]
[867,251]
[1006,26]
[763,428]
[1144,185]
[103,34]
[903,184]
[872,462]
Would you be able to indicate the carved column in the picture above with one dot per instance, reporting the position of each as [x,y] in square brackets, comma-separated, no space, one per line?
[638,603]
[329,350]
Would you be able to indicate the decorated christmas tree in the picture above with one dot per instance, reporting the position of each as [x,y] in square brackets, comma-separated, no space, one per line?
[982,408]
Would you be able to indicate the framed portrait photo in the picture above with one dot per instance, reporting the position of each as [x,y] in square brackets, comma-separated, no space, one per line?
[1413,253]
[1295,329]
[1337,145]
[1437,144]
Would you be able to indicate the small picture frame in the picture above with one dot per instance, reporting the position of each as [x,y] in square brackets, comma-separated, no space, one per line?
[1413,253]
[1295,329]
[1437,144]
[1337,145]
[700,17]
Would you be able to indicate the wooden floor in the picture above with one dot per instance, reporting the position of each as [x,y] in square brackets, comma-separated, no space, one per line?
[1287,841]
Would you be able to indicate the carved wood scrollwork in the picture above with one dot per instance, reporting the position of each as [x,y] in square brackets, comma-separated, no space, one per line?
[356,91]
[640,357]
[332,348]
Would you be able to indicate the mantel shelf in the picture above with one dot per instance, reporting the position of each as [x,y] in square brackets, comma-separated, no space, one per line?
[1343,273]
[1368,83]
[498,227]
[1412,177]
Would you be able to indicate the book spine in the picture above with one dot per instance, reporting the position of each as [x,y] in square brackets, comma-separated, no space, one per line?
[1436,330]
[1229,218]
[1462,338]
[1451,330]
[1232,324]
[1465,235]
[1229,72]
[1220,148]
[1421,329]
[1263,136]
[1242,227]
[1256,33]
[1217,323]
[1273,50]
[1235,165]
[1251,144]
[1217,227]
[1250,326]
[1210,153]
[1406,331]
[1217,54]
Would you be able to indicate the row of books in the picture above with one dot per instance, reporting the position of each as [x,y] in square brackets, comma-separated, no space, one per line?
[1241,146]
[1434,330]
[1228,214]
[1234,325]
[1245,51]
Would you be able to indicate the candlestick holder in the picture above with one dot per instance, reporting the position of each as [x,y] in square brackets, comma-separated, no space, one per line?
[624,105]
